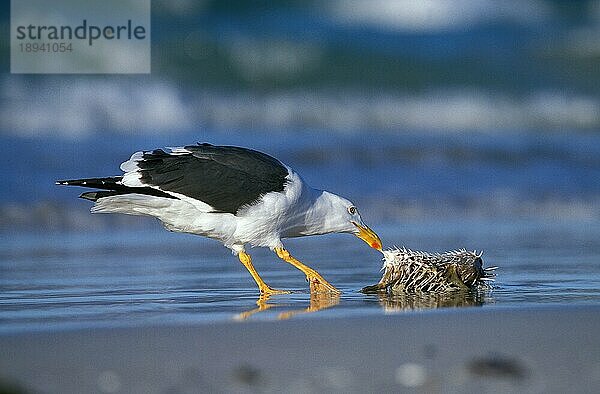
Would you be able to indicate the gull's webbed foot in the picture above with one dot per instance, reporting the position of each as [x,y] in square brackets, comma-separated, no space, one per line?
[319,285]
[316,282]
[267,291]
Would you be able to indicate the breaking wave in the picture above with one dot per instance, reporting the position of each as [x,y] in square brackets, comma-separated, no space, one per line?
[79,107]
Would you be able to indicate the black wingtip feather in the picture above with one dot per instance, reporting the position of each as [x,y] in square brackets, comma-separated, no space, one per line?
[112,187]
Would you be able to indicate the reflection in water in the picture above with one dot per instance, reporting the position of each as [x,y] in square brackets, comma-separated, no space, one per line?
[396,302]
[318,301]
[418,301]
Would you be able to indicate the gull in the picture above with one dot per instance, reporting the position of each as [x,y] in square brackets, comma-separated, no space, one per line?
[237,196]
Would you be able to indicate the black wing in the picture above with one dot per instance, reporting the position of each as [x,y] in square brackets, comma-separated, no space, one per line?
[224,177]
[110,186]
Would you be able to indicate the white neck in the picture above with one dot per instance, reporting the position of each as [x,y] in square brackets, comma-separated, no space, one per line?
[318,215]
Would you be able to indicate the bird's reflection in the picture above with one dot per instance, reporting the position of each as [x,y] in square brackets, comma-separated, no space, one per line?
[389,302]
[417,301]
[318,301]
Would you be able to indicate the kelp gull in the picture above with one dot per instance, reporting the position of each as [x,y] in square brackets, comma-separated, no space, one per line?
[234,195]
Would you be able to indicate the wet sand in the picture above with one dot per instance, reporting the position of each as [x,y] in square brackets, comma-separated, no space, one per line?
[534,349]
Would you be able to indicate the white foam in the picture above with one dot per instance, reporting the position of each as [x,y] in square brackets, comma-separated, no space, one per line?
[99,105]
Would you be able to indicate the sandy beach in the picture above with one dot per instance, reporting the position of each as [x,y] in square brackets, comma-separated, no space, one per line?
[541,349]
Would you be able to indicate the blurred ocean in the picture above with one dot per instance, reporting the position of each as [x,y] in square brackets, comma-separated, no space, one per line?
[449,123]
[394,177]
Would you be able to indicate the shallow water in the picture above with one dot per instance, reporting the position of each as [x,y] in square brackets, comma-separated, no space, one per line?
[529,201]
[59,281]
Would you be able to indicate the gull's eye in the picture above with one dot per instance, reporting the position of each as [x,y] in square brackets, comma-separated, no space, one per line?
[352,210]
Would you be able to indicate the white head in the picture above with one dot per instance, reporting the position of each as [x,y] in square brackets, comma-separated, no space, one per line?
[334,214]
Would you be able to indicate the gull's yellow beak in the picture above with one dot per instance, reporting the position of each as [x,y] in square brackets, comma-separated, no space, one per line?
[368,235]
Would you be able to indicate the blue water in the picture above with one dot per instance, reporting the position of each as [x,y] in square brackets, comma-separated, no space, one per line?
[452,167]
[529,201]
[150,277]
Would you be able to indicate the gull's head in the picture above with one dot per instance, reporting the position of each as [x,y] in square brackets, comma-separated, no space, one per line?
[342,216]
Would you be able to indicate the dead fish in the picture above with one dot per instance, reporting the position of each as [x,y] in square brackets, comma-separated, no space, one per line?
[408,271]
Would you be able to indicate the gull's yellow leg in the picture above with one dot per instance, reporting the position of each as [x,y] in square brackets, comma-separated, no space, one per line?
[316,281]
[262,286]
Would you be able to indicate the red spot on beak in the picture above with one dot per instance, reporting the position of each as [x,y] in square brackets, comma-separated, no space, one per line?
[367,235]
